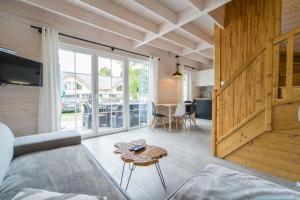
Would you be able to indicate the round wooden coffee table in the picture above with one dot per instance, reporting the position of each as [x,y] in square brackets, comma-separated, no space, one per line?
[146,157]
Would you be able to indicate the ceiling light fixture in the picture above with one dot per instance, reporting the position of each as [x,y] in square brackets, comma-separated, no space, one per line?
[177,74]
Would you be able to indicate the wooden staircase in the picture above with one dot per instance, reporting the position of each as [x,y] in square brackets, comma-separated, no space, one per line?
[262,129]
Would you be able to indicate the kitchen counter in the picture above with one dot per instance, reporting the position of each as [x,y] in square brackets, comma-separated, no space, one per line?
[203,108]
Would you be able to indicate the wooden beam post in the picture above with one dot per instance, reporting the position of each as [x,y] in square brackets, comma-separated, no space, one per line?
[276,60]
[214,124]
[216,114]
[217,32]
[289,67]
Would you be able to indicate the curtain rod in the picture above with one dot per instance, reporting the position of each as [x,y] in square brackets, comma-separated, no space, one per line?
[89,41]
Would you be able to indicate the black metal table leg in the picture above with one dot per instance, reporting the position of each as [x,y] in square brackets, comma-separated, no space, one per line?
[160,175]
[131,169]
[122,174]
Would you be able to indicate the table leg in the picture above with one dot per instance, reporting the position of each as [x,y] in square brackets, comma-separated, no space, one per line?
[122,174]
[131,169]
[160,175]
[170,118]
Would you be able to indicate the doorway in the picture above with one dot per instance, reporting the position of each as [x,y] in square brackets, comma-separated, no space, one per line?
[102,93]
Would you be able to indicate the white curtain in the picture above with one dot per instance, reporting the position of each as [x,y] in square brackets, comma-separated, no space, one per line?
[154,79]
[181,86]
[153,82]
[49,99]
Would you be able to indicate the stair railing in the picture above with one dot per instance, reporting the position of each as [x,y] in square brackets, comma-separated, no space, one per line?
[287,93]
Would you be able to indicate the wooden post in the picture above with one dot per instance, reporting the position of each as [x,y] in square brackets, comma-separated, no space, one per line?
[214,123]
[216,116]
[269,87]
[217,33]
[276,60]
[289,67]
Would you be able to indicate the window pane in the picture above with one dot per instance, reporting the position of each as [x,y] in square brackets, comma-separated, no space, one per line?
[83,63]
[66,61]
[76,95]
[104,67]
[117,68]
[138,93]
[111,89]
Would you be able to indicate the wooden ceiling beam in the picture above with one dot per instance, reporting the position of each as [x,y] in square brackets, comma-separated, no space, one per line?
[75,13]
[123,14]
[189,28]
[199,58]
[159,10]
[162,44]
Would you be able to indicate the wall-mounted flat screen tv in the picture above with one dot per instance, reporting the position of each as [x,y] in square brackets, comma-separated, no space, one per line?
[20,71]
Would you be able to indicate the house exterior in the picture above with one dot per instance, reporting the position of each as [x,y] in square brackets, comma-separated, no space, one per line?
[80,85]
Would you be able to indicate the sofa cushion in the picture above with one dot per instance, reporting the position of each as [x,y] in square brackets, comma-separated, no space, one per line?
[6,149]
[45,141]
[215,182]
[70,169]
[35,194]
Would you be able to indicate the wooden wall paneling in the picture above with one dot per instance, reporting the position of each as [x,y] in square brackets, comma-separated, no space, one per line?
[242,43]
[285,116]
[263,128]
[248,162]
[289,67]
[272,152]
[244,122]
[242,136]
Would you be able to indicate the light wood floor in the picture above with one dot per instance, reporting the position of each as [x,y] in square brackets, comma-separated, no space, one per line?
[188,151]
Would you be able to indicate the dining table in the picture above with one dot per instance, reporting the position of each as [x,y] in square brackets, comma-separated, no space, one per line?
[170,106]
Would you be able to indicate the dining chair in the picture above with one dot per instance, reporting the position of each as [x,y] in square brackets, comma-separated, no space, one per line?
[191,114]
[179,115]
[157,118]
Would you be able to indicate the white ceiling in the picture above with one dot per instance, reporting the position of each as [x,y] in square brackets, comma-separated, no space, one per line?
[183,27]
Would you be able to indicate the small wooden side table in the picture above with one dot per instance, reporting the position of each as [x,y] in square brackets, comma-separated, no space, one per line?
[149,156]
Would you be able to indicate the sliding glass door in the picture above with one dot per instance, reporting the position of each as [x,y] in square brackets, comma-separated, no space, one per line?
[138,73]
[101,93]
[110,94]
[76,91]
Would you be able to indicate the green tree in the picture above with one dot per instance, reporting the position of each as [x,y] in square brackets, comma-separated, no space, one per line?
[134,83]
[105,72]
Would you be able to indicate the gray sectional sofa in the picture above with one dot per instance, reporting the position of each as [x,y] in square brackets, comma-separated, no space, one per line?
[216,182]
[53,161]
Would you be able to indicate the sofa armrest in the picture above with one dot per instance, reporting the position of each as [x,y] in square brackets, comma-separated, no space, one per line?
[45,141]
